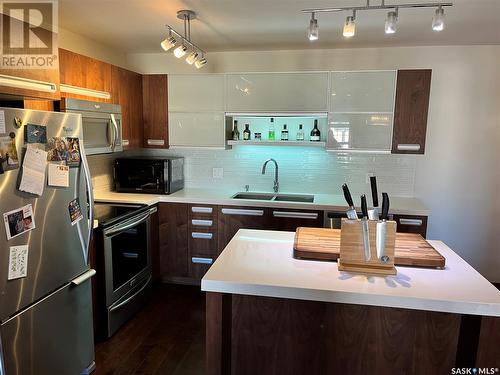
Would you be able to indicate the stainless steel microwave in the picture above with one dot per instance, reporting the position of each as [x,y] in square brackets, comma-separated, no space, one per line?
[149,175]
[101,124]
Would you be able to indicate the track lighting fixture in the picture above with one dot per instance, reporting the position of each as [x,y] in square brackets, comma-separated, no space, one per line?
[438,19]
[391,22]
[350,25]
[313,30]
[185,41]
[349,29]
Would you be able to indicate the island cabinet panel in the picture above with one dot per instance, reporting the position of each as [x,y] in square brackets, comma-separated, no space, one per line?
[285,336]
[84,72]
[173,235]
[127,91]
[155,113]
[410,111]
[488,353]
[411,224]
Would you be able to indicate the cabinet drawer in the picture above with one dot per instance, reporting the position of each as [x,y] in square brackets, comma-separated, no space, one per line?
[289,220]
[202,211]
[411,224]
[199,265]
[202,241]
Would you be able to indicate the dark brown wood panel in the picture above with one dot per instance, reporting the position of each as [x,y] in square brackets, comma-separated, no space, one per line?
[46,75]
[127,91]
[39,105]
[198,270]
[488,353]
[83,71]
[218,333]
[228,225]
[410,228]
[279,336]
[173,219]
[278,222]
[411,109]
[155,246]
[155,113]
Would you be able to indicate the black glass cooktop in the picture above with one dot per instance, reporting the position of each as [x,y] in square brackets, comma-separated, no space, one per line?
[110,213]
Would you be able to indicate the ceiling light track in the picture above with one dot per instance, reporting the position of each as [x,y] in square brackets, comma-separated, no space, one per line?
[196,55]
[390,23]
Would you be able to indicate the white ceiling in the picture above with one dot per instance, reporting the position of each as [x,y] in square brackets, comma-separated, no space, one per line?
[137,26]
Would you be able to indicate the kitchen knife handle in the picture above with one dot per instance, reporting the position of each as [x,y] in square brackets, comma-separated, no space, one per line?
[364,207]
[373,183]
[347,195]
[385,206]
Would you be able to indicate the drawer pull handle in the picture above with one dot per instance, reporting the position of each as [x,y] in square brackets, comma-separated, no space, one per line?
[296,215]
[411,222]
[202,260]
[408,147]
[202,210]
[202,223]
[156,142]
[202,236]
[235,211]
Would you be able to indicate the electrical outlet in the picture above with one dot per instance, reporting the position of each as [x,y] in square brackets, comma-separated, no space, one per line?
[218,172]
[368,175]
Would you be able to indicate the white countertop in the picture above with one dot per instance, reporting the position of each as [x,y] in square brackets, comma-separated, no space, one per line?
[261,263]
[325,202]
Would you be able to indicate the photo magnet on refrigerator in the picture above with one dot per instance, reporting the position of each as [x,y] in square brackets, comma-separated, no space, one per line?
[8,152]
[19,221]
[35,133]
[75,212]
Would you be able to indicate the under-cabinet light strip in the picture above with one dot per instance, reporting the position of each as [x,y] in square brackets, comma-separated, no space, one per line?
[69,89]
[27,84]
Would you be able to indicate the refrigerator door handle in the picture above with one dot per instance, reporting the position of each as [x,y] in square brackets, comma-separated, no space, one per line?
[90,193]
[83,277]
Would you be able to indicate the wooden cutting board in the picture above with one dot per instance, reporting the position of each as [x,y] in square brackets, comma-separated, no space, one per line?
[324,244]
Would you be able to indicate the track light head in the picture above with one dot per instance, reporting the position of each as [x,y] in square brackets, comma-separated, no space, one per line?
[192,57]
[180,51]
[313,30]
[391,22]
[168,43]
[201,62]
[350,25]
[438,19]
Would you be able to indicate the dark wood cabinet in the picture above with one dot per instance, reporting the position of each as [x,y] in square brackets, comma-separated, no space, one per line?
[410,111]
[289,220]
[155,113]
[127,91]
[411,224]
[84,72]
[173,241]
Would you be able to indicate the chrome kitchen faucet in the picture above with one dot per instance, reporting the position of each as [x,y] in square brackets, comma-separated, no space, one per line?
[276,186]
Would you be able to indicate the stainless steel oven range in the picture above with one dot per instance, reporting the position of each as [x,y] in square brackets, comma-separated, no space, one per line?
[124,261]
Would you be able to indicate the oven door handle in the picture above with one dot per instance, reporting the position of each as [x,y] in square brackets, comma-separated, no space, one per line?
[127,225]
[131,297]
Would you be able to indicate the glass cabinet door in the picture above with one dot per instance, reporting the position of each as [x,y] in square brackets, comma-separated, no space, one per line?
[196,92]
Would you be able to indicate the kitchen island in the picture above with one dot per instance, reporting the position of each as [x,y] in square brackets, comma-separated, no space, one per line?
[268,313]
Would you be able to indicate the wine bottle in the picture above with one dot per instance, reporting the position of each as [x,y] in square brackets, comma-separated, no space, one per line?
[315,133]
[236,132]
[246,133]
[271,135]
[284,133]
[300,133]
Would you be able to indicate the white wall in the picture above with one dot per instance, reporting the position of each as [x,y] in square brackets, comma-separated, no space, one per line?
[459,176]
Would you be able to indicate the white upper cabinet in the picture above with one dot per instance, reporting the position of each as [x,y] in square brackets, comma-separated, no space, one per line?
[196,129]
[361,111]
[276,92]
[196,92]
[362,91]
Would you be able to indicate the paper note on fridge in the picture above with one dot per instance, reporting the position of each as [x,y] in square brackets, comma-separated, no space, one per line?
[33,172]
[2,122]
[18,262]
[58,175]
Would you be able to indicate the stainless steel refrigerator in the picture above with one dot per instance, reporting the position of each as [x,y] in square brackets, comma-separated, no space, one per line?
[46,316]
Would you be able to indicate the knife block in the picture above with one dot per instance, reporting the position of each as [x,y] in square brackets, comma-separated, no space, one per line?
[352,252]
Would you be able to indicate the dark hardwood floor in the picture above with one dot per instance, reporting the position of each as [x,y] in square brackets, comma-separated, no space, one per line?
[166,337]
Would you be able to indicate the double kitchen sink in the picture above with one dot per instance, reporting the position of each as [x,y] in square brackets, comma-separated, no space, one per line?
[303,198]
